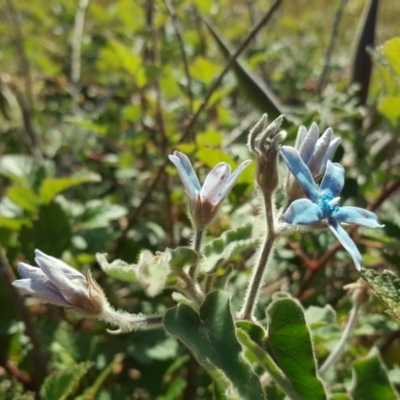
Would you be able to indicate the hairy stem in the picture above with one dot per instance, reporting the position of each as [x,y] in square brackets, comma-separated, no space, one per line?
[198,238]
[257,277]
[337,352]
[127,322]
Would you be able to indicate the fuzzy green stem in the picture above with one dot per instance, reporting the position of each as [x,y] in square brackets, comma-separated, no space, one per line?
[127,322]
[337,352]
[198,238]
[257,278]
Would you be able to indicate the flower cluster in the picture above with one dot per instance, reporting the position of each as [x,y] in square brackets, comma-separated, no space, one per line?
[322,203]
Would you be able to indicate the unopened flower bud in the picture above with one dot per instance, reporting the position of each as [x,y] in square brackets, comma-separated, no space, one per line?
[264,143]
[315,151]
[58,283]
[360,292]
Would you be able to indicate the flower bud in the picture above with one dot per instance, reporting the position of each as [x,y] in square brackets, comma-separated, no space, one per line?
[264,143]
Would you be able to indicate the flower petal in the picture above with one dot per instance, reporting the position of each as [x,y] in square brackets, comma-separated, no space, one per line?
[346,242]
[356,215]
[321,147]
[333,180]
[71,272]
[213,189]
[308,146]
[53,268]
[186,173]
[301,134]
[29,272]
[300,171]
[234,177]
[329,154]
[43,291]
[302,212]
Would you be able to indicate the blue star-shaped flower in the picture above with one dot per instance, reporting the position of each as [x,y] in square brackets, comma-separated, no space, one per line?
[322,202]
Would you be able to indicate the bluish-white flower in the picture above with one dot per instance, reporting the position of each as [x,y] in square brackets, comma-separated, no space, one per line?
[322,203]
[315,151]
[205,200]
[58,283]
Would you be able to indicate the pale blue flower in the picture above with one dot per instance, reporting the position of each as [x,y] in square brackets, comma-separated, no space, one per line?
[321,203]
[205,200]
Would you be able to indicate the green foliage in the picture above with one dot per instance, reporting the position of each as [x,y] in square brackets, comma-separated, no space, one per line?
[386,286]
[61,384]
[370,379]
[86,120]
[211,337]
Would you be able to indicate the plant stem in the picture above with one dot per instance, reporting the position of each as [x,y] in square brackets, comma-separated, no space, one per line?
[337,352]
[198,238]
[257,278]
[127,322]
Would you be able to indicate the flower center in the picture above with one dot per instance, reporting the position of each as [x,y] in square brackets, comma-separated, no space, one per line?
[328,204]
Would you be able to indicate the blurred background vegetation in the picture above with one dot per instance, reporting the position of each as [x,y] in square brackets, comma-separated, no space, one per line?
[93,97]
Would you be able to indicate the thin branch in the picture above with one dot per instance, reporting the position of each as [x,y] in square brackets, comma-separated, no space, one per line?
[329,51]
[178,32]
[338,351]
[258,275]
[76,45]
[131,219]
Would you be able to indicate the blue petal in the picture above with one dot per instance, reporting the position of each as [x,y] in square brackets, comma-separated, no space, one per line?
[321,147]
[333,180]
[358,216]
[300,171]
[302,212]
[308,146]
[186,173]
[346,242]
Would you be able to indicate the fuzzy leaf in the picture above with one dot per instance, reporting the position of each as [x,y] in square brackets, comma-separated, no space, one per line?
[211,337]
[370,380]
[230,243]
[289,344]
[60,384]
[117,269]
[387,287]
[182,257]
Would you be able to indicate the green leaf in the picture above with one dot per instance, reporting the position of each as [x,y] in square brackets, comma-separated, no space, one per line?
[391,50]
[370,380]
[95,387]
[320,316]
[60,384]
[248,334]
[118,269]
[211,337]
[24,197]
[390,107]
[182,257]
[231,243]
[50,232]
[289,343]
[259,94]
[387,287]
[53,186]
